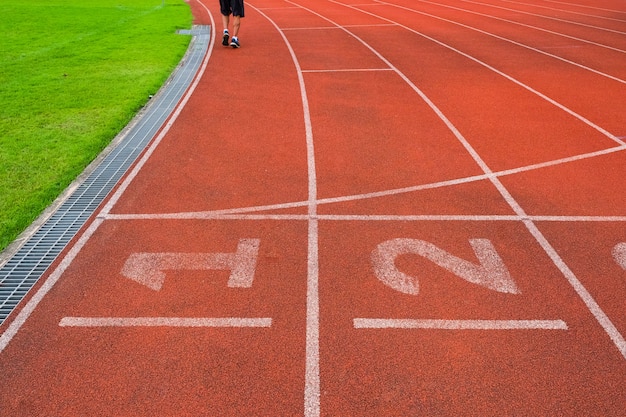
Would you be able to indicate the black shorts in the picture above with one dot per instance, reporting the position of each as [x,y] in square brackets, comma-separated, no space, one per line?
[234,7]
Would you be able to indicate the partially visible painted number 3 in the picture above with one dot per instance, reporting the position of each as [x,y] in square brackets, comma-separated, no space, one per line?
[619,253]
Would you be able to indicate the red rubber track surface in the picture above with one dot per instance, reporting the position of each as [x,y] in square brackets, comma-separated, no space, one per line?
[436,194]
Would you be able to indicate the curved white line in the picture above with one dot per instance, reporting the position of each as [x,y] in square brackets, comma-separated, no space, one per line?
[527,26]
[566,11]
[312,365]
[531,48]
[586,7]
[546,17]
[211,214]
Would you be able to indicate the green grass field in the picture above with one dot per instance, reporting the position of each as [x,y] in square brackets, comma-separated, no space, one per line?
[73,73]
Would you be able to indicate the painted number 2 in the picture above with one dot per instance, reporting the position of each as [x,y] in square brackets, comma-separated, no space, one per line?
[490,272]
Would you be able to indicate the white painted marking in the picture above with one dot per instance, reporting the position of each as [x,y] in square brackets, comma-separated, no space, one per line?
[348,70]
[312,370]
[578,218]
[312,363]
[588,7]
[619,253]
[528,26]
[165,322]
[208,215]
[147,268]
[365,217]
[363,323]
[233,212]
[491,272]
[583,293]
[595,16]
[539,51]
[571,22]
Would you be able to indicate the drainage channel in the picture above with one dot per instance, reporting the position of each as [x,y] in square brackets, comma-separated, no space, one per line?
[32,259]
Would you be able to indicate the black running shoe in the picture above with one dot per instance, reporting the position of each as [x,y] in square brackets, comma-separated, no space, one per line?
[234,43]
[225,39]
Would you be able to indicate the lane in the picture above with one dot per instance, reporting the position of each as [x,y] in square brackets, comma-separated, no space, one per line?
[355,93]
[592,96]
[444,371]
[597,57]
[591,20]
[611,6]
[594,18]
[155,316]
[218,156]
[598,256]
[522,128]
[593,33]
[54,367]
[377,368]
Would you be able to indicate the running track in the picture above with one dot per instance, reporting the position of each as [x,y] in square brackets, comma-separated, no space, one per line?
[398,207]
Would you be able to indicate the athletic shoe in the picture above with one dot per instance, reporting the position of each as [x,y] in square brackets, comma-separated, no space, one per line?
[225,38]
[234,42]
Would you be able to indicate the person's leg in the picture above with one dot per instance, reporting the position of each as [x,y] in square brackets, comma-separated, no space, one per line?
[225,22]
[238,13]
[226,10]
[236,25]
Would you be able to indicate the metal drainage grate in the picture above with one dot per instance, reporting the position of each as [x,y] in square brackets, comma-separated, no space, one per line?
[29,263]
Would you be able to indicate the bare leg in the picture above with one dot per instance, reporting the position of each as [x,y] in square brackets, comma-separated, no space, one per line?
[225,21]
[236,24]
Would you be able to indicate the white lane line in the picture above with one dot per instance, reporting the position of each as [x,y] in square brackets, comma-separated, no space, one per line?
[474,178]
[560,161]
[587,7]
[213,214]
[365,323]
[165,322]
[205,216]
[312,361]
[467,218]
[522,45]
[566,11]
[335,27]
[527,26]
[312,370]
[593,307]
[577,218]
[571,22]
[371,217]
[349,70]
